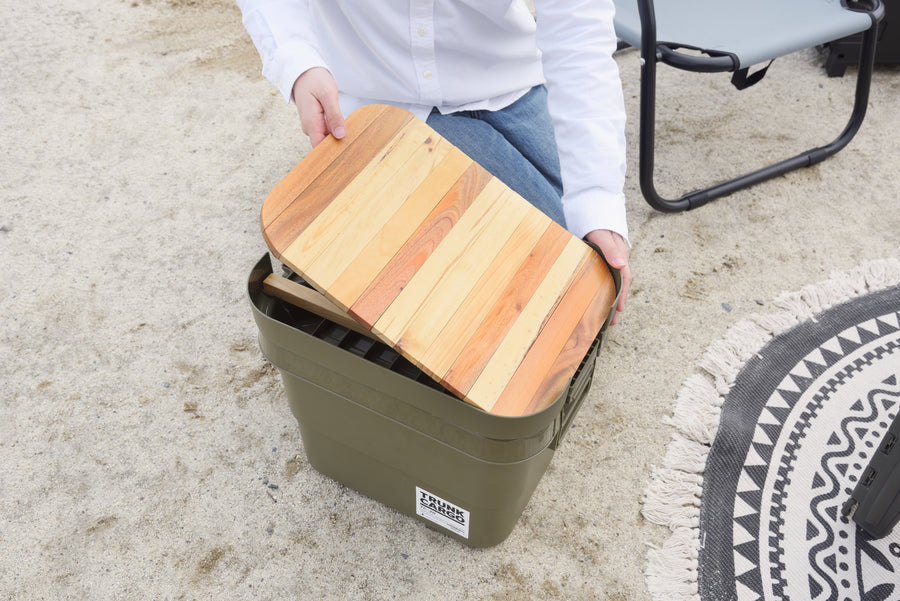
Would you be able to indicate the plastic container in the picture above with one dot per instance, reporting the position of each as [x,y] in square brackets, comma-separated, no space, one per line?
[846,51]
[372,421]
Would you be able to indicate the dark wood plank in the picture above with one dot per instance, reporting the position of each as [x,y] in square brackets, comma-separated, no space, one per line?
[316,162]
[318,194]
[490,333]
[565,339]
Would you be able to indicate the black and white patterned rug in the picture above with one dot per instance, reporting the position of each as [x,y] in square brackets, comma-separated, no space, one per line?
[770,443]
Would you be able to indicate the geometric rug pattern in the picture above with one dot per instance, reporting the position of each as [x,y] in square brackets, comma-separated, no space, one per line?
[813,436]
[770,441]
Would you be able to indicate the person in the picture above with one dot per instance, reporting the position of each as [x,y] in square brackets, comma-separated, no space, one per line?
[534,97]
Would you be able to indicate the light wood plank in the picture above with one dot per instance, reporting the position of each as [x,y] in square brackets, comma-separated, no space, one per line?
[367,221]
[485,294]
[303,209]
[448,293]
[350,202]
[504,362]
[399,313]
[491,331]
[327,156]
[390,240]
[569,358]
[428,236]
[546,369]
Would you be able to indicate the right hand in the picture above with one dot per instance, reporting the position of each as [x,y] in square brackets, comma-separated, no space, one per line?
[615,250]
[316,96]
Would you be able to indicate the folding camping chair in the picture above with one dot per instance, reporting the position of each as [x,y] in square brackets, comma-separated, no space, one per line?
[733,36]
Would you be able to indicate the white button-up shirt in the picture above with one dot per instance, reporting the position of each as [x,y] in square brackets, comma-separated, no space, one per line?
[466,55]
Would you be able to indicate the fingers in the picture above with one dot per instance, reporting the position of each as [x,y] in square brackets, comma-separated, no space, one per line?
[615,251]
[334,119]
[623,295]
[312,118]
[316,97]
[614,248]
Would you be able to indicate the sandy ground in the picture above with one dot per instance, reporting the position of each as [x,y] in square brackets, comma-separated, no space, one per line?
[140,426]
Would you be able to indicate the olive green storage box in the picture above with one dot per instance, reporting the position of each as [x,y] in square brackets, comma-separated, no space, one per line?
[372,421]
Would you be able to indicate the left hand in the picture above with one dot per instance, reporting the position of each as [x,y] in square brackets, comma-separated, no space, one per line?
[615,251]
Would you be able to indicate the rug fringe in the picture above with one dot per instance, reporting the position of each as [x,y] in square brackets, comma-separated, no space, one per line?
[672,573]
[672,497]
[685,454]
[724,359]
[697,409]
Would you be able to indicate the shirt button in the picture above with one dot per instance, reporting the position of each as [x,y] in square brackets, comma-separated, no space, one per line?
[422,32]
[426,73]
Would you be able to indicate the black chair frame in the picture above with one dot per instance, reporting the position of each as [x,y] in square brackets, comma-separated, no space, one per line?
[653,53]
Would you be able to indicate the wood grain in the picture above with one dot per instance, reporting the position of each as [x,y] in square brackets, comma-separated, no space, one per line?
[367,214]
[292,219]
[399,313]
[485,294]
[494,327]
[431,319]
[390,240]
[567,336]
[354,201]
[329,155]
[559,375]
[306,298]
[528,324]
[409,240]
[394,277]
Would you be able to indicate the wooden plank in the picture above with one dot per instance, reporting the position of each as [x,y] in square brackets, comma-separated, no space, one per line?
[351,202]
[428,325]
[494,327]
[396,274]
[560,347]
[306,298]
[303,209]
[429,252]
[379,251]
[486,293]
[505,360]
[366,222]
[570,357]
[399,313]
[329,155]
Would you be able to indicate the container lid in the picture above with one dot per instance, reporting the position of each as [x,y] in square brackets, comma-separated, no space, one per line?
[441,260]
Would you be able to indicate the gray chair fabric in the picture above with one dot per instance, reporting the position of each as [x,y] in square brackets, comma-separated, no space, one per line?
[753,31]
[734,35]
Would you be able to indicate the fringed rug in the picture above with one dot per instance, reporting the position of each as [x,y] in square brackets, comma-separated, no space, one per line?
[770,442]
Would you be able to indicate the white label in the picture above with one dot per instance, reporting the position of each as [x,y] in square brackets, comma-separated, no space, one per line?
[441,512]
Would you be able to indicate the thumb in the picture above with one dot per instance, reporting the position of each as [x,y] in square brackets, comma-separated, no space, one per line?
[334,118]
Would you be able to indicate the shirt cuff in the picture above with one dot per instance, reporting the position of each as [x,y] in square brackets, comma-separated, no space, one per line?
[595,209]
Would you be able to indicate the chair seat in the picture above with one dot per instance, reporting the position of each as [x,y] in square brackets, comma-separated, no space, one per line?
[752,31]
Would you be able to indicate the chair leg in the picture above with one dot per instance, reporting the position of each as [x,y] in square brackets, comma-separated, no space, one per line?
[700,197]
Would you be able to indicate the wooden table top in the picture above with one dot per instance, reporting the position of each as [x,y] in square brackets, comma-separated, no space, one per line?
[441,260]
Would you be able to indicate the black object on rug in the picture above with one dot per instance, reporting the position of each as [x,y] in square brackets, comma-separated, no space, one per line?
[797,426]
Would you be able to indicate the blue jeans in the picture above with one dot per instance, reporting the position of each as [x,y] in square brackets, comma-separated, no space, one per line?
[515,144]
